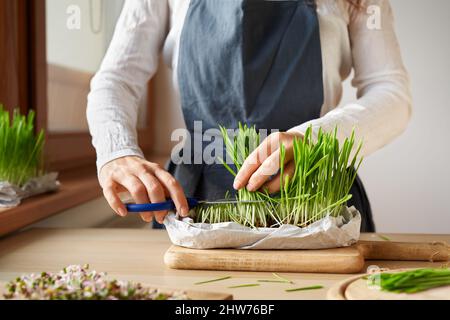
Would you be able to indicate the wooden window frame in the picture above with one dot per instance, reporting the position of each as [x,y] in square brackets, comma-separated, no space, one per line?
[23,61]
[13,57]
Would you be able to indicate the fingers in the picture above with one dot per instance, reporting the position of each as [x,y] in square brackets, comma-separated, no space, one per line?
[145,181]
[273,185]
[155,193]
[175,190]
[264,162]
[267,169]
[139,193]
[111,196]
[254,160]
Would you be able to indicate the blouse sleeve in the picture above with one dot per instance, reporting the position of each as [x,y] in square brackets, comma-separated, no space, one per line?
[130,62]
[382,109]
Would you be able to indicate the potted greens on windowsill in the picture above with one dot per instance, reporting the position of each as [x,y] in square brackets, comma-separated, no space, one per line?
[21,160]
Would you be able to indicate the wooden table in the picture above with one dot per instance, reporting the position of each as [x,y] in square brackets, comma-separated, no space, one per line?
[137,255]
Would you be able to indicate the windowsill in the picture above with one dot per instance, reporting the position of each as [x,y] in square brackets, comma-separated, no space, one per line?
[78,186]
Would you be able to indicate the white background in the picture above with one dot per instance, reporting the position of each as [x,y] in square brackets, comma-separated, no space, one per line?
[409,181]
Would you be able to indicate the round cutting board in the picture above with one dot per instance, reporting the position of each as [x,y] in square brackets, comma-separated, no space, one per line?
[357,288]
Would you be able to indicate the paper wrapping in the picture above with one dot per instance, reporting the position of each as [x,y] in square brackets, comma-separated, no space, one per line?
[11,195]
[327,233]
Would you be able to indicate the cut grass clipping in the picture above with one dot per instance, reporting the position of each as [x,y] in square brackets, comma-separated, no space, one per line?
[319,187]
[213,280]
[277,279]
[411,281]
[21,149]
[244,286]
[305,288]
[383,237]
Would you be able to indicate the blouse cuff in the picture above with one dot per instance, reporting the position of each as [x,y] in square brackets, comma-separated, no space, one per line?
[304,127]
[131,152]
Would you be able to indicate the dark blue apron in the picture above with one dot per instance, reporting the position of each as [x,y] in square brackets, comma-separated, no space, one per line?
[252,61]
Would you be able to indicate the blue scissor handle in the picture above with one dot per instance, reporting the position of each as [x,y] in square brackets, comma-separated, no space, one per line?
[163,206]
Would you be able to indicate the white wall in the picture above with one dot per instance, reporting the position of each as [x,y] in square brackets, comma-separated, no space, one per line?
[77,49]
[408,181]
[80,49]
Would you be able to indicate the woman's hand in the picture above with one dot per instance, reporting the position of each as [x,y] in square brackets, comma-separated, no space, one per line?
[264,162]
[146,182]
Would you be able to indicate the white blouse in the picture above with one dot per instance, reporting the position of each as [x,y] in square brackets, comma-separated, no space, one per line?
[350,37]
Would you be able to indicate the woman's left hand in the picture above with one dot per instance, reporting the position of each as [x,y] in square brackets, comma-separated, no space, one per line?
[264,162]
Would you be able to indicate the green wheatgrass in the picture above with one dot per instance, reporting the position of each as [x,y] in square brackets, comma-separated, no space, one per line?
[21,149]
[411,281]
[245,286]
[277,279]
[383,237]
[272,281]
[319,187]
[213,280]
[305,288]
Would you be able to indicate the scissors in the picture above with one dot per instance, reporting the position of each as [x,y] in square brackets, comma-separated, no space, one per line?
[169,205]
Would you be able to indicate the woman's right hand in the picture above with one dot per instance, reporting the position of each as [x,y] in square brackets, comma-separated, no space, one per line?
[147,182]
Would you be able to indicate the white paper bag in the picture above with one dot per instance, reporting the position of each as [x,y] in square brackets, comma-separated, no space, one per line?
[11,195]
[327,233]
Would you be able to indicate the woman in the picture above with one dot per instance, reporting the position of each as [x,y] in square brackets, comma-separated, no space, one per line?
[272,64]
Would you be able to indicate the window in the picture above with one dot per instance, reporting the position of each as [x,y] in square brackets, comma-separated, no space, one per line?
[78,35]
[47,67]
[74,51]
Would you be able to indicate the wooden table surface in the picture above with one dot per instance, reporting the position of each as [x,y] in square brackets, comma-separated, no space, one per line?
[137,255]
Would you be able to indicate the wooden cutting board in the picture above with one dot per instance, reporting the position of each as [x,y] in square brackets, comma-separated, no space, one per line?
[341,260]
[357,288]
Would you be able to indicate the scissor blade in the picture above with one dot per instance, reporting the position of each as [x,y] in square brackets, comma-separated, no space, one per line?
[218,202]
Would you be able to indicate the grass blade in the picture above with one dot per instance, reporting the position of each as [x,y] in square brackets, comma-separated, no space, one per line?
[383,237]
[305,288]
[282,278]
[245,286]
[213,280]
